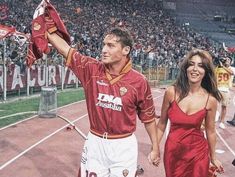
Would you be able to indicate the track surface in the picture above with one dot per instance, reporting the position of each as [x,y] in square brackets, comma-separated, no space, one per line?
[40,147]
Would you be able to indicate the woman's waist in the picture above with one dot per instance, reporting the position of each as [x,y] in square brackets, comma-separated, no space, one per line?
[186,135]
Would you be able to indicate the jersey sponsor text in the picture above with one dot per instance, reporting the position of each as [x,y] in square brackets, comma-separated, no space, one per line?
[110,102]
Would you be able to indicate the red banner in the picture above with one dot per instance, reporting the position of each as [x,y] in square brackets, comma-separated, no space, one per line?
[6,30]
[37,77]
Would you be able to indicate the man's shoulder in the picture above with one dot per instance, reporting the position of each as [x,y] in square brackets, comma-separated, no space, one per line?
[137,75]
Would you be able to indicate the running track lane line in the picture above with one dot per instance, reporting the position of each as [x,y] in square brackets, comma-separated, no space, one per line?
[39,142]
[47,137]
[225,143]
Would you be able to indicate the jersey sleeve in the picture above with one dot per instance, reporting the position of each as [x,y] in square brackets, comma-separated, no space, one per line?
[82,66]
[145,108]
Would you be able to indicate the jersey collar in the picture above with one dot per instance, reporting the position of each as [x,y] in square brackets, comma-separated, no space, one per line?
[125,70]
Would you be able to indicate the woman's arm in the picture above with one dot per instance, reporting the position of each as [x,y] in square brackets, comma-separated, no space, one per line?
[161,126]
[210,132]
[154,155]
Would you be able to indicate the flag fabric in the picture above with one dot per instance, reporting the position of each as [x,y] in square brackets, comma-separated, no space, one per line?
[229,49]
[60,27]
[6,31]
[20,38]
[45,19]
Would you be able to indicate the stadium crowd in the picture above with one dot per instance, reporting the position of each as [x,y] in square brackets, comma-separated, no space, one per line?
[158,40]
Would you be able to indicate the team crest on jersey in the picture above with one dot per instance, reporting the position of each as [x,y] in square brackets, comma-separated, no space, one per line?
[36,26]
[125,172]
[123,91]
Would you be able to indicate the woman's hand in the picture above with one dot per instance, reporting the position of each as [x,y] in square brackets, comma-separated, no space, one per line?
[154,158]
[218,165]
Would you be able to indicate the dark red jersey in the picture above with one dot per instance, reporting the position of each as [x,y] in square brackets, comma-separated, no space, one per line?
[112,103]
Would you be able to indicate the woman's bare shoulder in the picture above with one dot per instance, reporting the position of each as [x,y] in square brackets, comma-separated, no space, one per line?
[212,101]
[170,92]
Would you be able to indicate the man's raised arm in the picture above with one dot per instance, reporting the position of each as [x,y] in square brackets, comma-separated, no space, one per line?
[59,43]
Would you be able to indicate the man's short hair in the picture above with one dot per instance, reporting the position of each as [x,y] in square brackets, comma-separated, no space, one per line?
[124,35]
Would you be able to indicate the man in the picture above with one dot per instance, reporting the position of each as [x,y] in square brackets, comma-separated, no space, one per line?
[224,73]
[115,94]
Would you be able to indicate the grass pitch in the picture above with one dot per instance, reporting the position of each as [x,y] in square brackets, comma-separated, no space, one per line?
[22,108]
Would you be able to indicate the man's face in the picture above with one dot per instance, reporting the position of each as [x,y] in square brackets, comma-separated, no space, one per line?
[227,62]
[112,51]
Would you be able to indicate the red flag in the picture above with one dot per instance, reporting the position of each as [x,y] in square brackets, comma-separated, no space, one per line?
[45,19]
[6,30]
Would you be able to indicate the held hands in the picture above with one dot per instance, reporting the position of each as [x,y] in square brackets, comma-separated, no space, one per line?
[154,158]
[218,165]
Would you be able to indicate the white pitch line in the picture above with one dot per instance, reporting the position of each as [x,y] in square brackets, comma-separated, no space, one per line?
[39,142]
[156,90]
[225,143]
[19,113]
[157,97]
[10,125]
[75,127]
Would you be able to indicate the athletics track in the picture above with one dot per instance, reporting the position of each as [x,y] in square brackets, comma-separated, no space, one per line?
[44,147]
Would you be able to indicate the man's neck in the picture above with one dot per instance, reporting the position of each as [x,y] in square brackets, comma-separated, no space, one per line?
[116,68]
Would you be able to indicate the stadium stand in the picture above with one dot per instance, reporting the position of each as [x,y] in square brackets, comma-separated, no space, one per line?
[161,39]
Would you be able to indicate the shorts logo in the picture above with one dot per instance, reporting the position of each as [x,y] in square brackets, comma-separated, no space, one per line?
[123,91]
[125,172]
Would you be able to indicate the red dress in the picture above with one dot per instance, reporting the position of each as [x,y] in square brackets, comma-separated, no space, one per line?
[186,150]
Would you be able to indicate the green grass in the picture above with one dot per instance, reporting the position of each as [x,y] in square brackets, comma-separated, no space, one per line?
[32,104]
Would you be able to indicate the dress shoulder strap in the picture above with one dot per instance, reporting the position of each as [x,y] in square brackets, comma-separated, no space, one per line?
[174,93]
[207,99]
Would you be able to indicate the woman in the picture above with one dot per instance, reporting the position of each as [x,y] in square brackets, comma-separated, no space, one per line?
[192,99]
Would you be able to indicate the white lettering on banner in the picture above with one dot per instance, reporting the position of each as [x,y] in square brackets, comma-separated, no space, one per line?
[1,77]
[109,101]
[72,77]
[37,77]
[62,71]
[41,76]
[16,78]
[32,82]
[52,75]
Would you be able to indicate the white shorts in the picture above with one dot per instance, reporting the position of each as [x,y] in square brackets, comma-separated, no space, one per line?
[109,157]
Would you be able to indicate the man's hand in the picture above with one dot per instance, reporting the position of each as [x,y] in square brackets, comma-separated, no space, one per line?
[154,158]
[218,165]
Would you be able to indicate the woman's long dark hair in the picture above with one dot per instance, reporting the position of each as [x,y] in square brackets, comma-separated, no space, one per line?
[209,80]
